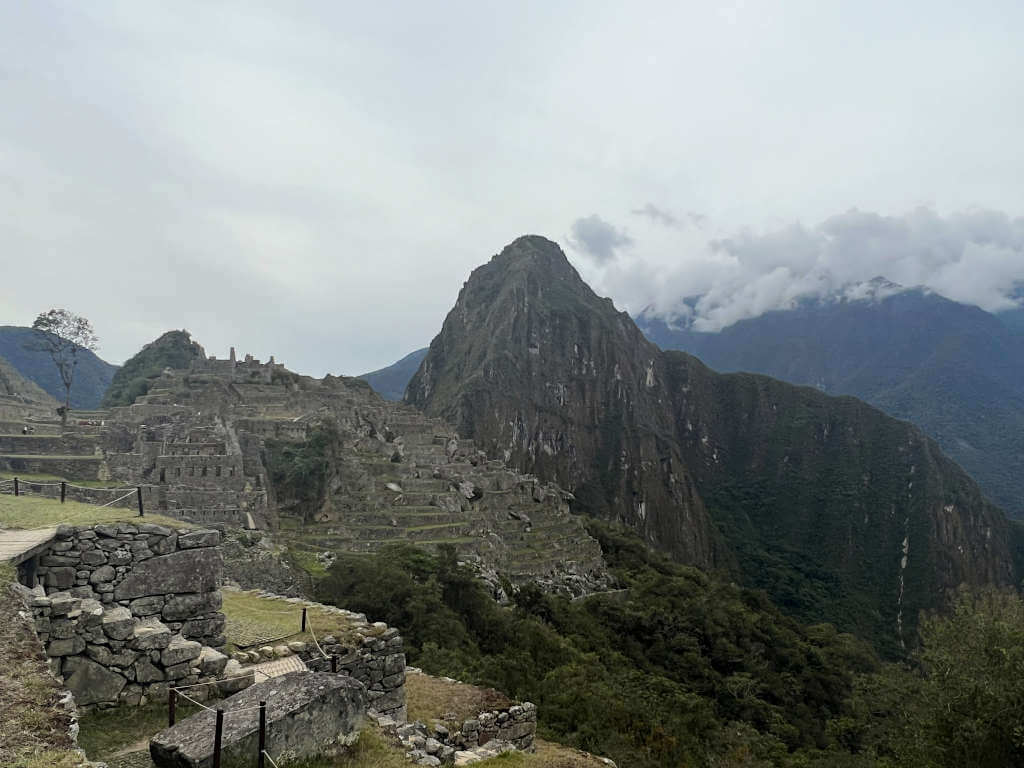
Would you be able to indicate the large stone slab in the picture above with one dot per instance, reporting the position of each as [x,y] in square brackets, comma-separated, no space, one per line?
[181,607]
[308,713]
[92,683]
[189,570]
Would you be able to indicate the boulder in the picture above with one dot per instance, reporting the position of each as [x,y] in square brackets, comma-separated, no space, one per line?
[179,650]
[91,683]
[102,574]
[211,662]
[118,623]
[147,672]
[60,578]
[101,654]
[71,646]
[308,714]
[190,570]
[181,607]
[147,606]
[235,679]
[150,635]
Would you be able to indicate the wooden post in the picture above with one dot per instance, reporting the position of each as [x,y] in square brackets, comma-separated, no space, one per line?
[172,700]
[303,620]
[15,486]
[334,664]
[63,491]
[260,762]
[217,738]
[141,513]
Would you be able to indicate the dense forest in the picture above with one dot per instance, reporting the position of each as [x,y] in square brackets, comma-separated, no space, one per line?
[682,669]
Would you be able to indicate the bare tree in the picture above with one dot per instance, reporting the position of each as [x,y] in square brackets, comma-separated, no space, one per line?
[62,335]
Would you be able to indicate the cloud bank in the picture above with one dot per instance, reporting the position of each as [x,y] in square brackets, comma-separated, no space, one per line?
[973,257]
[597,239]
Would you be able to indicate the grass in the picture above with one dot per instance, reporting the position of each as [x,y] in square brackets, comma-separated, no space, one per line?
[33,733]
[433,699]
[105,733]
[252,619]
[38,512]
[43,478]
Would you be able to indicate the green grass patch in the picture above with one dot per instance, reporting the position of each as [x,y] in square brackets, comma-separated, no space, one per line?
[105,733]
[252,619]
[35,512]
[44,478]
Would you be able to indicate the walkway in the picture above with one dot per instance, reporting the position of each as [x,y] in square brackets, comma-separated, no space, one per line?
[19,545]
[276,667]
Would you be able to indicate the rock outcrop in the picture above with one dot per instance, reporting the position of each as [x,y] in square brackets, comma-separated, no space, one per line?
[841,512]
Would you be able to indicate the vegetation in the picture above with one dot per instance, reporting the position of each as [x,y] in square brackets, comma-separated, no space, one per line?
[38,512]
[253,619]
[63,336]
[300,471]
[174,349]
[107,732]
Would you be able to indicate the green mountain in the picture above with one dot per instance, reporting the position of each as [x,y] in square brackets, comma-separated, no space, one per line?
[174,349]
[954,370]
[92,376]
[390,382]
[840,512]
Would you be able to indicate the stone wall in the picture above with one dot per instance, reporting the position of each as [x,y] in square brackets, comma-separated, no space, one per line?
[124,610]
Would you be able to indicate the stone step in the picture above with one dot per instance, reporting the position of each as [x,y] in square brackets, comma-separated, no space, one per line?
[414,533]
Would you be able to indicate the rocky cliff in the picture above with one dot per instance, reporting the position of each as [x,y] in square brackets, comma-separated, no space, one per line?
[841,512]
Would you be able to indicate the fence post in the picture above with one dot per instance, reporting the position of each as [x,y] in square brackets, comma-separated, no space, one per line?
[15,486]
[63,491]
[260,762]
[303,620]
[141,513]
[334,663]
[217,738]
[172,700]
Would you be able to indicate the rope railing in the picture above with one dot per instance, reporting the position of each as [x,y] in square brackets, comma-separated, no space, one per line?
[122,498]
[23,487]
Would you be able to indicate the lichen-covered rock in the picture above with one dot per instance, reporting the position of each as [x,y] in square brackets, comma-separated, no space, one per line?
[308,713]
[204,538]
[178,650]
[211,662]
[150,635]
[186,606]
[118,623]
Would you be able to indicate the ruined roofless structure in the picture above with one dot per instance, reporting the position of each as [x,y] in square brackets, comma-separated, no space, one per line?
[197,444]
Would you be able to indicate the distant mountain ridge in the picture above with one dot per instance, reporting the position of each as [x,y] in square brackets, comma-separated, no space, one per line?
[954,370]
[840,512]
[390,382]
[92,375]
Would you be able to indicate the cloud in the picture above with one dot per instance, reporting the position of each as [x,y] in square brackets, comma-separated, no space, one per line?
[598,238]
[973,257]
[667,218]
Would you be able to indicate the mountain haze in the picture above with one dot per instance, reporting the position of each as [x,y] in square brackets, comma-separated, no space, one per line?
[839,511]
[390,382]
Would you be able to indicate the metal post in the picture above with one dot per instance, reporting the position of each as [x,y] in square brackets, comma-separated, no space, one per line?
[15,486]
[260,763]
[172,700]
[63,491]
[217,738]
[334,663]
[303,620]
[141,513]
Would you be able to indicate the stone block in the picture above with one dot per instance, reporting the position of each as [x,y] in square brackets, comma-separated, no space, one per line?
[118,623]
[204,627]
[101,654]
[187,606]
[164,546]
[190,570]
[94,557]
[71,646]
[92,683]
[106,531]
[147,672]
[308,713]
[178,671]
[120,557]
[159,530]
[212,662]
[180,650]
[150,635]
[57,560]
[234,679]
[60,578]
[204,538]
[147,606]
[102,574]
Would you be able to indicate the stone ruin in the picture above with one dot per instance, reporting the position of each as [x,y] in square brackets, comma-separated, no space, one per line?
[124,611]
[196,444]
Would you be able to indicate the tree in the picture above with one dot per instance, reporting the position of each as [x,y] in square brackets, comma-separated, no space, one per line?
[62,335]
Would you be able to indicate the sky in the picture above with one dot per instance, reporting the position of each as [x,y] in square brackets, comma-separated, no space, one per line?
[316,180]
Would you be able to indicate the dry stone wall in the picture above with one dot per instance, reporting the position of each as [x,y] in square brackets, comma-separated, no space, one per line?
[125,610]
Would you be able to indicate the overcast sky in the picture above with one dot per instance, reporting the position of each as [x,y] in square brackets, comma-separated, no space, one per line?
[316,180]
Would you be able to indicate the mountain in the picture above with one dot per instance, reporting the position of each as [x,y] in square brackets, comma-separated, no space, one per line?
[174,349]
[390,382]
[840,512]
[92,376]
[21,398]
[954,370]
